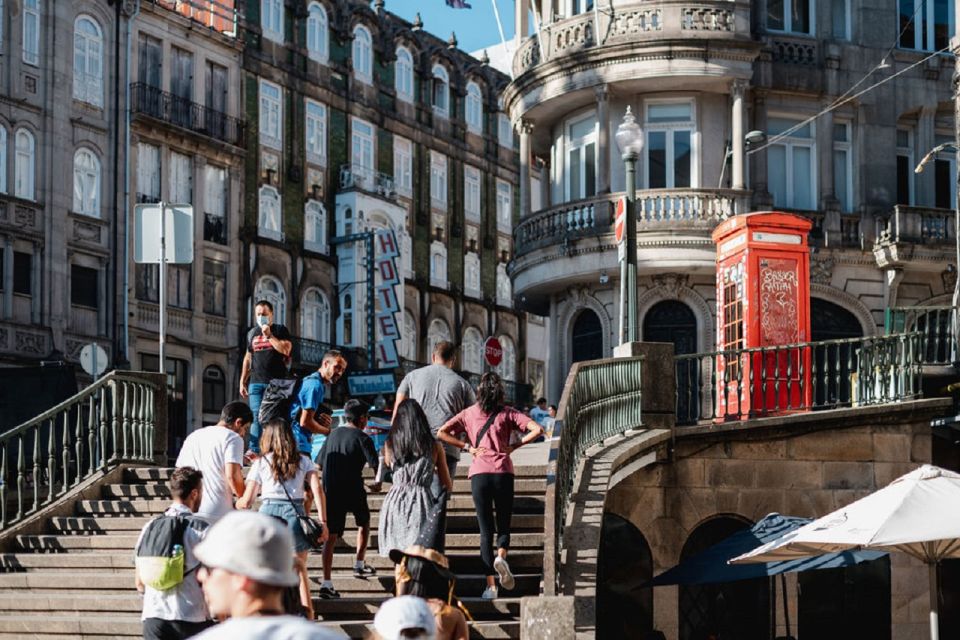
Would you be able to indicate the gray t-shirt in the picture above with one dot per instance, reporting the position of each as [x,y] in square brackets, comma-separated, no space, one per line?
[442,393]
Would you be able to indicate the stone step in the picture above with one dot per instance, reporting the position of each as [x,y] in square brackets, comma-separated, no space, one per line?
[466,562]
[125,543]
[162,474]
[99,525]
[142,506]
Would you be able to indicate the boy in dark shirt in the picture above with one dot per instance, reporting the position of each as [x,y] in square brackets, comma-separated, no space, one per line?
[345,452]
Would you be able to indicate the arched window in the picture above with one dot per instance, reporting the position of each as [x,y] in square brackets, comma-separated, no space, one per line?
[508,364]
[315,227]
[345,322]
[441,91]
[88,61]
[362,54]
[474,108]
[472,349]
[504,289]
[438,331]
[25,165]
[86,183]
[315,316]
[317,29]
[269,222]
[3,159]
[345,223]
[271,289]
[403,74]
[471,274]
[214,389]
[587,337]
[438,264]
[408,346]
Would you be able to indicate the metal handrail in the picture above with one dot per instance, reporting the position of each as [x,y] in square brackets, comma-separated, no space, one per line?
[185,113]
[935,322]
[601,399]
[113,420]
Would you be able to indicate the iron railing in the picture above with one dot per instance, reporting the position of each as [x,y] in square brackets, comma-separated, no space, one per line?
[113,420]
[185,113]
[751,383]
[309,353]
[936,325]
[601,399]
[219,15]
[353,176]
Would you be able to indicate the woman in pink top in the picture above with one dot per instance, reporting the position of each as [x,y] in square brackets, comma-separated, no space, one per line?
[488,425]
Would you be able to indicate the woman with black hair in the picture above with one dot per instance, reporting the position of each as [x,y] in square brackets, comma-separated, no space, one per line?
[414,456]
[489,425]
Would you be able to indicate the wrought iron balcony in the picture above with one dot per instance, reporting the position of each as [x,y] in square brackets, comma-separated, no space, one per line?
[935,323]
[354,176]
[186,114]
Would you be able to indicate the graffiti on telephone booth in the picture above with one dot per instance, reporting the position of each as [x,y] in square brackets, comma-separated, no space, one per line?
[763,315]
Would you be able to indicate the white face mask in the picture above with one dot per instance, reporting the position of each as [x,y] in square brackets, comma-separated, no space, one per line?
[263,321]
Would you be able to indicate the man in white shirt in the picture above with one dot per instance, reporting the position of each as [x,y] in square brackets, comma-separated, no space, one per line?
[217,452]
[178,612]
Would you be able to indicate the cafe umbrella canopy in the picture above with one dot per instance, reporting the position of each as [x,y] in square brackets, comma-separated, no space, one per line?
[915,514]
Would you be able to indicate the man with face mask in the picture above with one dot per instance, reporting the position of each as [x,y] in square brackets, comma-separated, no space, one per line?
[268,350]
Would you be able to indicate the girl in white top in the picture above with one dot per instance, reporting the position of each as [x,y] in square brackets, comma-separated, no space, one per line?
[281,466]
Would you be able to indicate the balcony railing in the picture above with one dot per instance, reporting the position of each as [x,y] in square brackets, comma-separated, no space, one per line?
[220,15]
[934,323]
[354,176]
[751,383]
[185,113]
[923,225]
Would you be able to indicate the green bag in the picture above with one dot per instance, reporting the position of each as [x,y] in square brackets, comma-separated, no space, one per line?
[160,556]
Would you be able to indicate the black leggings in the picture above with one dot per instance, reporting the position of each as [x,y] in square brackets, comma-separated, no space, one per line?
[493,490]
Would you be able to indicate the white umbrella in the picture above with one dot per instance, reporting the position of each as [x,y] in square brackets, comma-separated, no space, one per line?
[915,514]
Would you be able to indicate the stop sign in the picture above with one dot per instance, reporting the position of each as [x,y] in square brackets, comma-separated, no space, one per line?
[492,351]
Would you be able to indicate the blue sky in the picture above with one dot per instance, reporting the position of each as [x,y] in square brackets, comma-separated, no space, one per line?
[476,28]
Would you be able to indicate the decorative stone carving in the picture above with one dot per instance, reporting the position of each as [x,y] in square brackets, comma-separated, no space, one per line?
[3,337]
[949,277]
[821,269]
[671,283]
[31,343]
[85,231]
[25,216]
[73,349]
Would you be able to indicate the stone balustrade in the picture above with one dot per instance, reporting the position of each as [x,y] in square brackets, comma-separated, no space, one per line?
[924,225]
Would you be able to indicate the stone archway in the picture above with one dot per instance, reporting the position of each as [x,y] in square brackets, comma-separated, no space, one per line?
[624,564]
[586,337]
[848,302]
[675,287]
[579,300]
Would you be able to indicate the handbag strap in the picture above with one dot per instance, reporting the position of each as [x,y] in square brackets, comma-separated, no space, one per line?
[485,428]
[300,512]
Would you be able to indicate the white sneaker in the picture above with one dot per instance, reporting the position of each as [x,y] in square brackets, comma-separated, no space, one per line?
[490,593]
[503,570]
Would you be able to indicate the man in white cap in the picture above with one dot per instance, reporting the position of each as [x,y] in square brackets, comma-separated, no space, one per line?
[405,618]
[248,562]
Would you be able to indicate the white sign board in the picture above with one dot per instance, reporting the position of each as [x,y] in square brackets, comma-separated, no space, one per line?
[177,236]
[93,359]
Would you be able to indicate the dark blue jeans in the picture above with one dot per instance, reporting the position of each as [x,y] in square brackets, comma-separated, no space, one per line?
[255,389]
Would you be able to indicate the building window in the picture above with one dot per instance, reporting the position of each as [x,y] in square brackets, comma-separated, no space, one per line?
[315,316]
[504,290]
[271,19]
[1,33]
[148,173]
[22,273]
[88,61]
[438,264]
[362,54]
[669,151]
[361,152]
[508,363]
[3,149]
[438,331]
[215,204]
[472,347]
[580,6]
[214,287]
[790,16]
[843,166]
[316,132]
[471,193]
[504,128]
[441,91]
[25,165]
[791,157]
[181,179]
[31,32]
[474,108]
[582,158]
[271,289]
[271,115]
[214,389]
[150,68]
[403,74]
[179,286]
[945,175]
[345,321]
[840,17]
[86,183]
[317,30]
[315,227]
[926,25]
[408,345]
[904,166]
[403,165]
[438,179]
[269,221]
[504,206]
[471,274]
[84,287]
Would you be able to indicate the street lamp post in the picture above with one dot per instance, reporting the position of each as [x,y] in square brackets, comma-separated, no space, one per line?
[630,141]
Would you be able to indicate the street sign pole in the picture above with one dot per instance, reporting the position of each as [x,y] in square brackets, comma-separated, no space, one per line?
[163,286]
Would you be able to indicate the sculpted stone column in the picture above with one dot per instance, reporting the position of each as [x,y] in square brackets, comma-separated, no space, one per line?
[526,130]
[737,129]
[603,138]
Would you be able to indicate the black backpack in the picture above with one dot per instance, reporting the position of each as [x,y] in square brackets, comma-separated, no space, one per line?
[278,398]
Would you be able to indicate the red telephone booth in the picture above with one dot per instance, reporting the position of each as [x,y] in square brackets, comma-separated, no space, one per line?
[763,315]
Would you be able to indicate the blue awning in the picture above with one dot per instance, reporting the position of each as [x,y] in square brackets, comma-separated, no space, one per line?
[710,566]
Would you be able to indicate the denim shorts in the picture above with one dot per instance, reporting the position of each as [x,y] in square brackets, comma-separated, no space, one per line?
[284,510]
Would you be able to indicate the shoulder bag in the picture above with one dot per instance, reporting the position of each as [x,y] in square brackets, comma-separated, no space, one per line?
[312,529]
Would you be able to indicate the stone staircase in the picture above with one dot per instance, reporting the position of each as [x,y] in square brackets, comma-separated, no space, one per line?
[76,580]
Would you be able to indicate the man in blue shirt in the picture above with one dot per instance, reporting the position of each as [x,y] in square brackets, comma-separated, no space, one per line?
[539,413]
[307,415]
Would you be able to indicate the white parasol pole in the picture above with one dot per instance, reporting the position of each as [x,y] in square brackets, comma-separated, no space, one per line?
[934,603]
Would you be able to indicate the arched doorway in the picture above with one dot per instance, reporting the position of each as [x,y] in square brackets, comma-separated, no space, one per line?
[829,321]
[831,361]
[625,562]
[673,321]
[731,610]
[587,337]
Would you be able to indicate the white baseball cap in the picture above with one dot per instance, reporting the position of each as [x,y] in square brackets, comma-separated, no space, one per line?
[405,612]
[250,544]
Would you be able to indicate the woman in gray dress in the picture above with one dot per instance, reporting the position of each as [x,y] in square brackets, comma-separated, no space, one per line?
[414,456]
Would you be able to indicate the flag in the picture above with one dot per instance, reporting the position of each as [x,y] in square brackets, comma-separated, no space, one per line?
[458,4]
